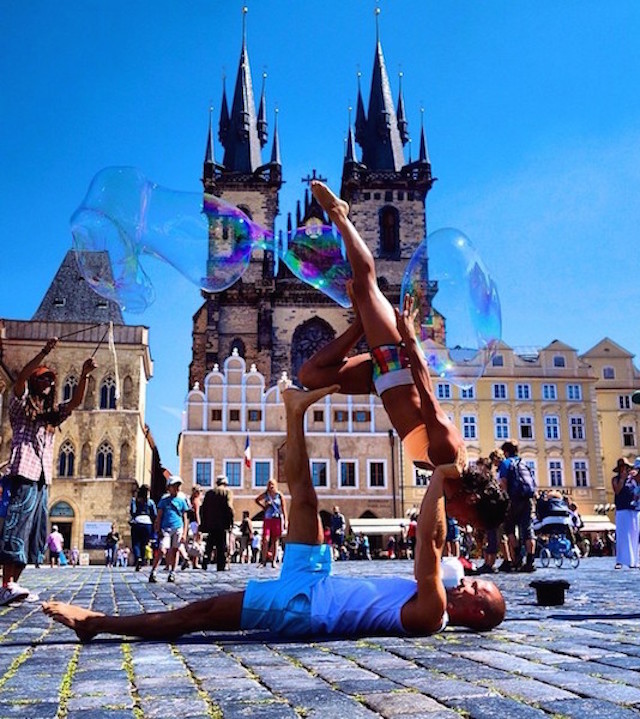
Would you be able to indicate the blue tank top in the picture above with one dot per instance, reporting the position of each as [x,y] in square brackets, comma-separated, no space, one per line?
[371,605]
[274,506]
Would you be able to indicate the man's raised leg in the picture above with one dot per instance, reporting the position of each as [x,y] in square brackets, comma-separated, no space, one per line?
[304,523]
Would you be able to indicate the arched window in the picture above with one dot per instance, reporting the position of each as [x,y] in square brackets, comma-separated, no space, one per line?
[246,211]
[108,393]
[104,460]
[237,344]
[127,393]
[62,509]
[70,383]
[308,338]
[66,459]
[389,232]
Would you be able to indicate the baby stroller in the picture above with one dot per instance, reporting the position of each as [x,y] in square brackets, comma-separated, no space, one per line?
[555,524]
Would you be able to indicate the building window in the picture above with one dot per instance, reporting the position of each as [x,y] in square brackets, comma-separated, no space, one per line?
[523,391]
[203,473]
[422,477]
[340,415]
[497,361]
[104,460]
[389,232]
[318,415]
[361,415]
[469,426]
[233,471]
[608,373]
[501,424]
[624,401]
[262,472]
[66,459]
[559,361]
[525,427]
[551,427]
[468,392]
[574,392]
[376,474]
[555,473]
[580,473]
[254,415]
[347,474]
[234,415]
[576,425]
[628,436]
[549,391]
[216,415]
[108,393]
[70,383]
[499,391]
[443,390]
[319,473]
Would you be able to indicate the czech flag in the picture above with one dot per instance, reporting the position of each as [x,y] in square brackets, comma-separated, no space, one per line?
[247,454]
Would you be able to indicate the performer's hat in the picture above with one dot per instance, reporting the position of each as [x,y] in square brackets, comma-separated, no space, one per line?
[174,479]
[221,479]
[622,462]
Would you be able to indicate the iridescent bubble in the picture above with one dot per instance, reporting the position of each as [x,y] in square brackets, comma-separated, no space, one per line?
[460,325]
[133,219]
[315,255]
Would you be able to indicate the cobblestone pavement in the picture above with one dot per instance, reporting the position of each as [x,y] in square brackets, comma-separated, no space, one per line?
[578,660]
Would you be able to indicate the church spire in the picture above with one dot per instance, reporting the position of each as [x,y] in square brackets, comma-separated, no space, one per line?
[424,152]
[361,117]
[209,169]
[241,141]
[381,143]
[275,149]
[403,125]
[262,114]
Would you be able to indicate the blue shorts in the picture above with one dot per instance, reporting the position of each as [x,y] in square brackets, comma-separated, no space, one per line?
[24,534]
[283,605]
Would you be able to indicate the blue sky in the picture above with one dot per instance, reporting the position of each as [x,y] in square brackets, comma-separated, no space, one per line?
[531,109]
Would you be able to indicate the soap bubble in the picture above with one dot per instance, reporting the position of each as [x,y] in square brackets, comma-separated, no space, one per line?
[460,331]
[133,219]
[315,256]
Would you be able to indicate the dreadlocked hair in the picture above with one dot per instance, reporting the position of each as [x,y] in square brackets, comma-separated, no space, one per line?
[493,501]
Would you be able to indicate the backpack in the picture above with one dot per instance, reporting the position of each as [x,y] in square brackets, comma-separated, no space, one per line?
[520,481]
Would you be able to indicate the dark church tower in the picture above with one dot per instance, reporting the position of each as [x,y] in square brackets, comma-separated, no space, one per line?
[242,315]
[387,195]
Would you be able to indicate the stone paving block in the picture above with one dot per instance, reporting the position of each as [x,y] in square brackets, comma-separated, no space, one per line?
[252,710]
[390,704]
[366,686]
[113,687]
[100,714]
[242,690]
[442,688]
[35,710]
[499,708]
[104,702]
[329,704]
[171,707]
[591,708]
[529,690]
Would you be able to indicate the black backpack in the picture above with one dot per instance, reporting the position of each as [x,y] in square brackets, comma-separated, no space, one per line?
[520,481]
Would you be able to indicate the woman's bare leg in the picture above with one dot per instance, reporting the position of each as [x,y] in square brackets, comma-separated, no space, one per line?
[305,526]
[221,613]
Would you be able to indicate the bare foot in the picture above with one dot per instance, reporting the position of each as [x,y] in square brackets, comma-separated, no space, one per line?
[297,401]
[336,208]
[73,617]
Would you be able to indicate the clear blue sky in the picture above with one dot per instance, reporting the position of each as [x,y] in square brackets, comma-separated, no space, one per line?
[532,114]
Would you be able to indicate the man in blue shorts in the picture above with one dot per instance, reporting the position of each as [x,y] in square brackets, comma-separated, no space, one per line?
[307,599]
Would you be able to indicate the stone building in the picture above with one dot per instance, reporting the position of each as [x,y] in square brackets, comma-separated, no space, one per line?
[104,451]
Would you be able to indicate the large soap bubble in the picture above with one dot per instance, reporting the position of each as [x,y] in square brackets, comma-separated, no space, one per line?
[315,256]
[458,327]
[133,219]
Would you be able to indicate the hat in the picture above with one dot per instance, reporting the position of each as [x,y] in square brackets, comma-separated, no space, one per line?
[174,479]
[42,371]
[622,462]
[54,528]
[221,479]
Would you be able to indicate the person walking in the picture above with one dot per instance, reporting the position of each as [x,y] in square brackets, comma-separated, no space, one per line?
[33,416]
[625,489]
[143,513]
[111,546]
[55,544]
[171,527]
[216,520]
[273,503]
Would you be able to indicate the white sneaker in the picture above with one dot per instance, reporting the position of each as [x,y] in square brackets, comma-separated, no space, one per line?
[12,593]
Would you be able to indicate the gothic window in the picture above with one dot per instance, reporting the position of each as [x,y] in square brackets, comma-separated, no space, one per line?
[237,344]
[246,211]
[66,459]
[70,383]
[308,338]
[127,393]
[104,460]
[108,393]
[389,232]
